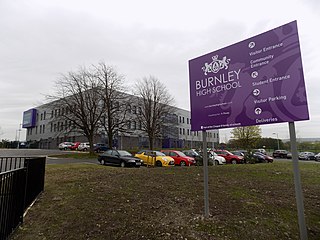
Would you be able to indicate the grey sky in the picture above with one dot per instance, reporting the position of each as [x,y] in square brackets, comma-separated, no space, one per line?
[41,39]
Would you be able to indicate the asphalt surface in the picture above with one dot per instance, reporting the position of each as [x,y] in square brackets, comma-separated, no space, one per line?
[52,160]
[44,153]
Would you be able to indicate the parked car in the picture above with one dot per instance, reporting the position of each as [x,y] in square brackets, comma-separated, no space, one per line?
[155,158]
[317,156]
[261,150]
[65,145]
[84,146]
[119,157]
[216,159]
[179,157]
[289,155]
[280,154]
[194,154]
[74,146]
[100,147]
[262,158]
[230,158]
[307,156]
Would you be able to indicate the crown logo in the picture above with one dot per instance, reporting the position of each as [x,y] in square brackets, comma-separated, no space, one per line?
[216,65]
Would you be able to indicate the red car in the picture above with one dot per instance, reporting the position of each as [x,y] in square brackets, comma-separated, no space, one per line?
[230,158]
[179,157]
[74,146]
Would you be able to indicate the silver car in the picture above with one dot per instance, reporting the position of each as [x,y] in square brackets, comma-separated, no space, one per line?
[307,156]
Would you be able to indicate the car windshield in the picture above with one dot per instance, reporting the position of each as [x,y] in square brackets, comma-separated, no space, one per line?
[181,154]
[123,153]
[159,153]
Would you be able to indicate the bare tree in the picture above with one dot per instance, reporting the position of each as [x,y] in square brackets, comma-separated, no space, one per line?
[77,104]
[114,100]
[155,103]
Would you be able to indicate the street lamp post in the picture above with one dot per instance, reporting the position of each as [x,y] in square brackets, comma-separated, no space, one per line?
[277,140]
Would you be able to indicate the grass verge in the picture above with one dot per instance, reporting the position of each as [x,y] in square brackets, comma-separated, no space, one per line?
[246,202]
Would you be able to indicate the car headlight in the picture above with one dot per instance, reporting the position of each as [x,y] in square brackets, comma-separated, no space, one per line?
[131,161]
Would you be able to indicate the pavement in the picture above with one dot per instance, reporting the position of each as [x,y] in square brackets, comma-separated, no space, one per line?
[44,153]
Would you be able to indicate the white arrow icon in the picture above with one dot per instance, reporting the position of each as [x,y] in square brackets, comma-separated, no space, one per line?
[258,111]
[256,92]
[251,45]
[254,74]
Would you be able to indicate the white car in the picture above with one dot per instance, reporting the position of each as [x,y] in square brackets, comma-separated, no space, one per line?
[307,156]
[317,156]
[217,160]
[65,145]
[84,146]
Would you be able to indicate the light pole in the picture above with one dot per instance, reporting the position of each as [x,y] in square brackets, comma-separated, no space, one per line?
[277,140]
[19,130]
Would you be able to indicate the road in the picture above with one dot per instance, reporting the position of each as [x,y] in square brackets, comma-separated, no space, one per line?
[46,153]
[50,160]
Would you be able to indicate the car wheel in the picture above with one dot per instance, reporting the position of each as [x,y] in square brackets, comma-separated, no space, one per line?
[102,162]
[233,161]
[159,164]
[266,161]
[84,149]
[65,148]
[216,162]
[122,164]
[183,164]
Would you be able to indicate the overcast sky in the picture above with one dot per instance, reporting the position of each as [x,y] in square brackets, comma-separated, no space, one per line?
[41,39]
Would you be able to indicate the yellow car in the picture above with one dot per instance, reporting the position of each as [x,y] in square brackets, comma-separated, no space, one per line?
[155,158]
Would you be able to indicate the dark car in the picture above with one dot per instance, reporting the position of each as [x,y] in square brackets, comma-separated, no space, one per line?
[119,157]
[100,147]
[198,157]
[262,158]
[280,154]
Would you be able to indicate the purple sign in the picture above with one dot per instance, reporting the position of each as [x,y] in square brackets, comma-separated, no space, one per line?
[256,81]
[29,118]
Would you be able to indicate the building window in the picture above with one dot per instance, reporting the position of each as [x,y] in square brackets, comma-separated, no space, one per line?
[180,130]
[187,120]
[179,119]
[40,129]
[44,115]
[43,128]
[188,131]
[129,124]
[182,119]
[183,131]
[36,129]
[41,116]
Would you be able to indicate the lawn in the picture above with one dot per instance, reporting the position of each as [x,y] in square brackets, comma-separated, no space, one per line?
[253,201]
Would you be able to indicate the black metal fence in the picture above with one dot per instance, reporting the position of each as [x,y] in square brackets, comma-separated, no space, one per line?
[21,181]
[10,163]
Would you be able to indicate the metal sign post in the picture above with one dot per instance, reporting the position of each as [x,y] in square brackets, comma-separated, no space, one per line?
[205,174]
[297,182]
